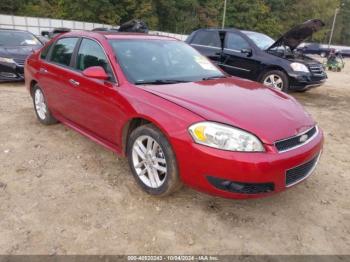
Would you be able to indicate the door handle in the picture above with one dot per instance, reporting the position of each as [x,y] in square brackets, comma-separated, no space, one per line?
[73,82]
[43,70]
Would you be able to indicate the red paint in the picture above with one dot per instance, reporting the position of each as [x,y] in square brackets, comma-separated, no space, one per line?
[95,72]
[101,110]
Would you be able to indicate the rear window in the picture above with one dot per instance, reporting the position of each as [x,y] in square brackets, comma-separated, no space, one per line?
[63,50]
[207,38]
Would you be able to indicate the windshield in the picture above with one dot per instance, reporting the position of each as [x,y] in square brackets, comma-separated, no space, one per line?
[162,61]
[261,40]
[12,38]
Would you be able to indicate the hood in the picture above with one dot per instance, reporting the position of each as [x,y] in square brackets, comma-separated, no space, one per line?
[267,113]
[304,59]
[298,34]
[19,52]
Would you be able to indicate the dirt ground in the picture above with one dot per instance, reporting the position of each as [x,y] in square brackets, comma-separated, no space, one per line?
[61,193]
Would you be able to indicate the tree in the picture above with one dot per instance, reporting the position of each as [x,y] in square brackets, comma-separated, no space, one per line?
[272,17]
[252,15]
[10,7]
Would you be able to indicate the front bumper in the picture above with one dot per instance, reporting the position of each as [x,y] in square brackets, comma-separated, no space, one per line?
[11,72]
[305,81]
[200,164]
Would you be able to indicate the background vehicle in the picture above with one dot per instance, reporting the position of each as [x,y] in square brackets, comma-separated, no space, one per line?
[55,32]
[15,47]
[174,114]
[258,57]
[133,26]
[323,49]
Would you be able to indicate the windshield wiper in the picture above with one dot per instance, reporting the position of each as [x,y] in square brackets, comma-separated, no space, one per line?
[160,82]
[213,77]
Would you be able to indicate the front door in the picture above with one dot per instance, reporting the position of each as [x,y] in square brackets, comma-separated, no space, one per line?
[238,57]
[96,101]
[208,43]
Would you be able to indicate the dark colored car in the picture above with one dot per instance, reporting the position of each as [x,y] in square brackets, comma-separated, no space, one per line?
[132,26]
[258,57]
[56,31]
[176,116]
[312,49]
[15,47]
[323,50]
[345,52]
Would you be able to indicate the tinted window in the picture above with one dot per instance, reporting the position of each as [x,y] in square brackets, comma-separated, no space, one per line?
[153,60]
[207,38]
[261,40]
[63,50]
[91,54]
[236,42]
[18,38]
[45,51]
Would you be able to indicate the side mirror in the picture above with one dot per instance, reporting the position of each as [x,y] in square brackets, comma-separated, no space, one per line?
[247,51]
[96,72]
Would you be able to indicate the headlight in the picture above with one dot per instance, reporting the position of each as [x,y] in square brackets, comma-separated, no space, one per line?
[225,137]
[298,67]
[7,60]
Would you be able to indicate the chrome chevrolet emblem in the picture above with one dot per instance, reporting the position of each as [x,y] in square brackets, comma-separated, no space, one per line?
[303,138]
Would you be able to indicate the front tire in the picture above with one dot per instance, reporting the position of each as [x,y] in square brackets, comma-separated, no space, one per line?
[276,79]
[152,161]
[41,108]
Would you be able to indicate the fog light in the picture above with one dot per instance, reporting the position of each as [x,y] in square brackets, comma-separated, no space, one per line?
[236,187]
[241,187]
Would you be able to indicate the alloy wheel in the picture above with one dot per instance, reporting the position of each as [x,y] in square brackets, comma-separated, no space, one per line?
[149,161]
[274,81]
[40,105]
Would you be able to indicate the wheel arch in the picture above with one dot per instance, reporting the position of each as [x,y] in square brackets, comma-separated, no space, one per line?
[271,68]
[134,123]
[31,86]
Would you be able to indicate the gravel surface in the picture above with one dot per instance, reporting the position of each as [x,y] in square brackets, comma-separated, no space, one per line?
[61,193]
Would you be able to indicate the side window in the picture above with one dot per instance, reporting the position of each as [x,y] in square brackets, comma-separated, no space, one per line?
[207,38]
[91,54]
[63,50]
[45,51]
[236,42]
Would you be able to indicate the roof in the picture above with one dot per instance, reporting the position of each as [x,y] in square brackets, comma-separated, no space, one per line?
[118,35]
[109,35]
[11,29]
[220,29]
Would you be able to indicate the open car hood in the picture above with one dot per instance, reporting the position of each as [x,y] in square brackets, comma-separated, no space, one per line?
[298,34]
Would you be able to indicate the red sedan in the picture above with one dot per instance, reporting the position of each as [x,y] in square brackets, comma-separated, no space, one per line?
[177,117]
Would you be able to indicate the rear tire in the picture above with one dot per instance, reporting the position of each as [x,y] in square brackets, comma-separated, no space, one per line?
[152,161]
[41,107]
[275,79]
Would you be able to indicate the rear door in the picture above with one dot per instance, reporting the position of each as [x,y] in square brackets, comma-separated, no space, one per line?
[54,71]
[208,43]
[236,61]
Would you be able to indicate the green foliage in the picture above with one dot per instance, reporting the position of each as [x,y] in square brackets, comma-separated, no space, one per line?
[272,17]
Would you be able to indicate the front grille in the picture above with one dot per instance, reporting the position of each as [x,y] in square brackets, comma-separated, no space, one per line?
[295,141]
[299,173]
[19,61]
[241,188]
[316,69]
